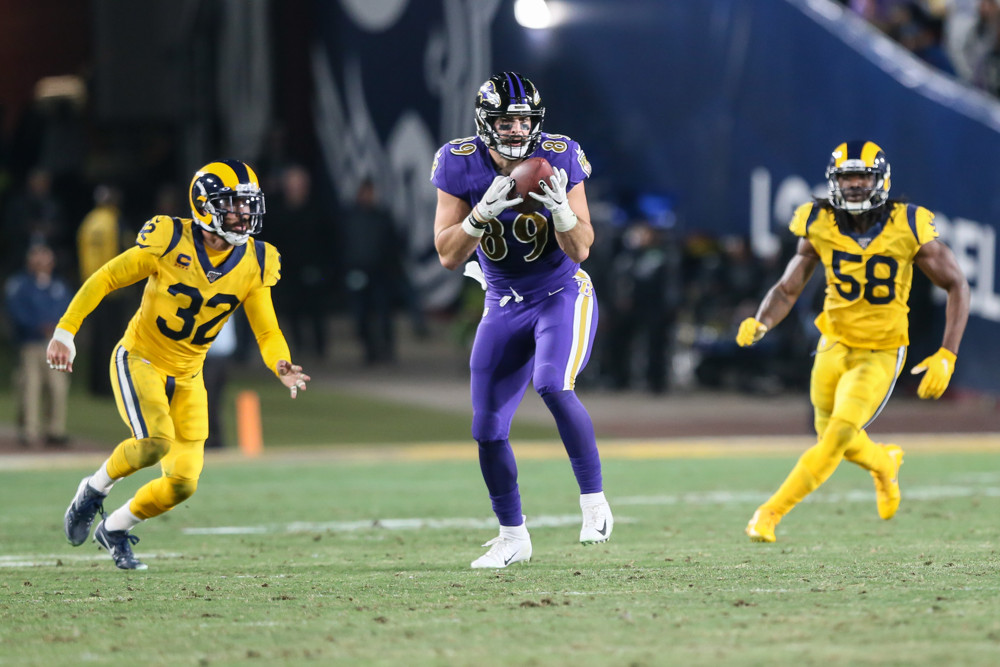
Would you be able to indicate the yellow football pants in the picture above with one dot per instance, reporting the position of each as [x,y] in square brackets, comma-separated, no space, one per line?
[168,417]
[849,387]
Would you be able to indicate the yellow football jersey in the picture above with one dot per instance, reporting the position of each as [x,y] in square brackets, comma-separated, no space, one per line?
[187,297]
[868,276]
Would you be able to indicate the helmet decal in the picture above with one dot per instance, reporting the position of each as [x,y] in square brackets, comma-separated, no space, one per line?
[488,94]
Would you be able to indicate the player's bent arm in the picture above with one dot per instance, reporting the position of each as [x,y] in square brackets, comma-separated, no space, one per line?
[127,268]
[938,263]
[782,296]
[273,346]
[577,241]
[260,313]
[453,243]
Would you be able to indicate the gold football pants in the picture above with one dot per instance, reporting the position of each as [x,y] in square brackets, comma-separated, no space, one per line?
[849,387]
[168,417]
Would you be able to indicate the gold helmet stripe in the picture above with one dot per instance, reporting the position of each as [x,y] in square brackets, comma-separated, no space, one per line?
[869,151]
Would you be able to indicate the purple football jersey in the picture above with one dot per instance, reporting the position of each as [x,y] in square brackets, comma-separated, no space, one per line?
[518,251]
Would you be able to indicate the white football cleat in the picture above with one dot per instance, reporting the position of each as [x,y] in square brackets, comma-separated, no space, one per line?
[597,523]
[503,552]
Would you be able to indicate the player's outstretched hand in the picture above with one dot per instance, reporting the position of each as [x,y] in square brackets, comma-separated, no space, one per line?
[495,201]
[61,351]
[937,370]
[292,377]
[750,332]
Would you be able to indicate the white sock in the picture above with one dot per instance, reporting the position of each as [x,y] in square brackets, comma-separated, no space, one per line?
[100,481]
[591,499]
[516,532]
[121,519]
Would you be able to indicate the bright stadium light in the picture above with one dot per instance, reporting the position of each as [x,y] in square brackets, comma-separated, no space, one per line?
[533,14]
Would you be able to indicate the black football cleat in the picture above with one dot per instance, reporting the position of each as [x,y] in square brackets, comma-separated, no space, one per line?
[119,545]
[81,512]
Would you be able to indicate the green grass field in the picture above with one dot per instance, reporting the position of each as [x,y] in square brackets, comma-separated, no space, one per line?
[314,557]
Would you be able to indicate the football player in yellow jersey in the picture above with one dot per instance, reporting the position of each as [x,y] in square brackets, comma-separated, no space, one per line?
[197,271]
[868,246]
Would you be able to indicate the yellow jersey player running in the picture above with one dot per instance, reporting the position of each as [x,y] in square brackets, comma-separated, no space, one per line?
[198,272]
[868,245]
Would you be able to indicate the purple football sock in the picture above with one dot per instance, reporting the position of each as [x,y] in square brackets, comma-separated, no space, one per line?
[496,460]
[577,432]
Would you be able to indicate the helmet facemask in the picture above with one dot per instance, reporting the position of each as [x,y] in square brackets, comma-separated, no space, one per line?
[858,158]
[247,206]
[509,95]
[486,128]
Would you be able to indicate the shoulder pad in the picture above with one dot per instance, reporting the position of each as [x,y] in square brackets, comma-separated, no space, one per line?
[803,217]
[160,235]
[921,221]
[269,260]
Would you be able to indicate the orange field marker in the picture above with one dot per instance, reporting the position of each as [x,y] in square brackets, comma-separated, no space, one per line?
[248,423]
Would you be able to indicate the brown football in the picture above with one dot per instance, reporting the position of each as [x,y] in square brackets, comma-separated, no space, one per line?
[526,176]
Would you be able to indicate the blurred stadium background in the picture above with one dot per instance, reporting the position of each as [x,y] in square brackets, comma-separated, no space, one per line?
[706,124]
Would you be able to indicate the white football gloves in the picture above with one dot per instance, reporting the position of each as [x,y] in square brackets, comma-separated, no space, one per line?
[494,201]
[554,198]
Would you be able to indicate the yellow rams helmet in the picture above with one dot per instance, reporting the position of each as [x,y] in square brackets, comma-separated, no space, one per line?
[224,187]
[858,157]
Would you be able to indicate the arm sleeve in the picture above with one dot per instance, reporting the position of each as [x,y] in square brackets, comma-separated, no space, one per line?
[260,313]
[127,268]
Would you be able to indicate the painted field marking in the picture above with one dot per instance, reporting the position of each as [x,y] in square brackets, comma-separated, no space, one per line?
[55,560]
[748,498]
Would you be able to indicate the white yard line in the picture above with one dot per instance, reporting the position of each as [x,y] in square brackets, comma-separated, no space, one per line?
[56,560]
[749,498]
[701,498]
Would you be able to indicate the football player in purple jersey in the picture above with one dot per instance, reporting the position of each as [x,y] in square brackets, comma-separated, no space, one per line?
[540,314]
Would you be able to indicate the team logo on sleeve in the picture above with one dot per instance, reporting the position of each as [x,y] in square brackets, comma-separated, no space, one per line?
[434,167]
[582,159]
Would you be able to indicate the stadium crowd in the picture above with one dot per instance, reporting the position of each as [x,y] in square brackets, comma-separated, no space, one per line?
[959,37]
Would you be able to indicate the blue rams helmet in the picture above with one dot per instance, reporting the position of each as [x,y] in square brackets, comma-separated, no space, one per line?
[858,157]
[509,94]
[227,186]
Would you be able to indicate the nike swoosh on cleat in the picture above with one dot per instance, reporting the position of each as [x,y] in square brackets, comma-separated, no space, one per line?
[507,561]
[604,528]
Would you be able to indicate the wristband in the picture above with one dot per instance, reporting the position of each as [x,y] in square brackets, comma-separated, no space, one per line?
[473,228]
[66,338]
[564,222]
[478,219]
[63,336]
